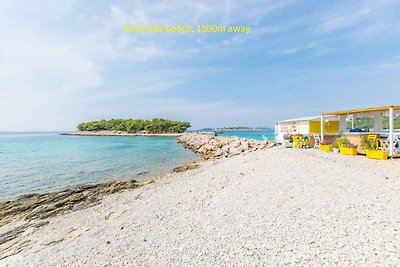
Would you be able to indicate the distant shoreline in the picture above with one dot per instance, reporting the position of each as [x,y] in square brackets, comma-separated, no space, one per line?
[119,133]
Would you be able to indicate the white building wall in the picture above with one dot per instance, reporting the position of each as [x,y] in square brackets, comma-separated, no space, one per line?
[303,127]
[282,128]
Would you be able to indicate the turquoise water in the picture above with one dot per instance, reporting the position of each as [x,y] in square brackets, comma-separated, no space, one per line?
[250,134]
[42,162]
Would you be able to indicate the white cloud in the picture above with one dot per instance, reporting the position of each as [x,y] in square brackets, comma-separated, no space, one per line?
[387,66]
[290,51]
[311,47]
[29,61]
[195,11]
[145,84]
[40,80]
[365,19]
[342,19]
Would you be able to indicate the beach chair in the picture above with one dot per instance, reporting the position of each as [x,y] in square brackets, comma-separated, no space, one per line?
[374,139]
[296,141]
[287,140]
[305,142]
[317,141]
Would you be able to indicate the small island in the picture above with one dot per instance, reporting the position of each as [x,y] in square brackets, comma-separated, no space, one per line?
[132,127]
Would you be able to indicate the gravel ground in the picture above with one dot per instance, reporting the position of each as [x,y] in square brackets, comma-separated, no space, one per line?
[271,207]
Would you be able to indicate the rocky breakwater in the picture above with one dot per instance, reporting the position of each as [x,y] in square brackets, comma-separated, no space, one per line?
[211,147]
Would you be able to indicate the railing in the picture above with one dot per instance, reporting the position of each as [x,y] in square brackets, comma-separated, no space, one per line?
[384,144]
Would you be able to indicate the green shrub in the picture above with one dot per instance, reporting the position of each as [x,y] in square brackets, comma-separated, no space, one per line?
[368,143]
[344,142]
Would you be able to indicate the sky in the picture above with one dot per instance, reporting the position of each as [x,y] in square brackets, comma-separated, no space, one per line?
[65,62]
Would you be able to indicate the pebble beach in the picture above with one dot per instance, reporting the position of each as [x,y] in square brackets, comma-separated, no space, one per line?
[268,207]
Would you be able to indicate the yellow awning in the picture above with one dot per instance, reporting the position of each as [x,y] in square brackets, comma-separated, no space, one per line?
[365,110]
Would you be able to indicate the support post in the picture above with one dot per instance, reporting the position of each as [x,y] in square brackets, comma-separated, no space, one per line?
[352,121]
[342,124]
[378,122]
[322,128]
[391,130]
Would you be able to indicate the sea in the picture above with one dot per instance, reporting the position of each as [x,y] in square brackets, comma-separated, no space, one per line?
[46,162]
[43,162]
[258,135]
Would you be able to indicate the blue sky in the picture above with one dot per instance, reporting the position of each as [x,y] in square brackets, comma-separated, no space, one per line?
[64,62]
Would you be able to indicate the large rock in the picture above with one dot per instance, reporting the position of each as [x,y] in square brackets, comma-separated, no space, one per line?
[40,206]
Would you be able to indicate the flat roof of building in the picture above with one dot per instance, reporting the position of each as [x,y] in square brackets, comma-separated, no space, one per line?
[364,110]
[303,119]
[311,118]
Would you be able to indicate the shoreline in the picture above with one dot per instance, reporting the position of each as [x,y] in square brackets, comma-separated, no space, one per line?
[119,133]
[208,147]
[78,187]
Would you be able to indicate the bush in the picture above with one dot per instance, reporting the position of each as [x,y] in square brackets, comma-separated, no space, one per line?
[344,142]
[368,143]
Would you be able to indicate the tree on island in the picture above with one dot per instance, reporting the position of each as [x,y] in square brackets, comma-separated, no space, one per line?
[156,125]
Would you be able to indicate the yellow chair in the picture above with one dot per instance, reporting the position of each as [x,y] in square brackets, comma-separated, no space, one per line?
[296,141]
[374,139]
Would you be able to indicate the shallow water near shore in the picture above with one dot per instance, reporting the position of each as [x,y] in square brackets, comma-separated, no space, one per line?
[258,135]
[43,162]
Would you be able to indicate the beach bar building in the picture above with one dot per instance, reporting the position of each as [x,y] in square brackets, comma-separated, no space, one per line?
[307,126]
[388,138]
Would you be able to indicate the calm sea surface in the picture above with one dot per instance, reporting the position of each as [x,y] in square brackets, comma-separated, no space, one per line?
[42,162]
[250,134]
